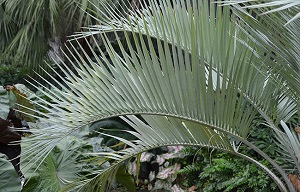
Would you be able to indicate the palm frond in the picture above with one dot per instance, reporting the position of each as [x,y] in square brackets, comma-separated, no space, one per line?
[159,131]
[279,47]
[34,30]
[187,64]
[280,61]
[271,6]
[289,145]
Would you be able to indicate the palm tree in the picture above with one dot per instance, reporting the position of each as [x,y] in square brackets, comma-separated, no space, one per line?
[197,74]
[33,32]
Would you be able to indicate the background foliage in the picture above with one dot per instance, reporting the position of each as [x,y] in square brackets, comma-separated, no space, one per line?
[34,32]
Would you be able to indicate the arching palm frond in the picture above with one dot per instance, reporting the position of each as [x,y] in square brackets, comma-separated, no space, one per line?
[290,148]
[159,131]
[278,42]
[187,68]
[274,25]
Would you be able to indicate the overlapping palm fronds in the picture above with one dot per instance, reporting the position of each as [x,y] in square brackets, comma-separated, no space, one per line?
[33,31]
[274,25]
[188,69]
[291,8]
[278,41]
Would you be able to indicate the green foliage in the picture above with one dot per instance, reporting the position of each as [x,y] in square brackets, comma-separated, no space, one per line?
[226,173]
[65,163]
[8,176]
[72,159]
[12,73]
[4,103]
[124,178]
[263,138]
[219,171]
[113,126]
[185,85]
[33,32]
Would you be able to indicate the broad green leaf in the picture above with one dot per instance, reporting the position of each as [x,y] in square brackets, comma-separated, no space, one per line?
[124,178]
[61,167]
[8,176]
[4,103]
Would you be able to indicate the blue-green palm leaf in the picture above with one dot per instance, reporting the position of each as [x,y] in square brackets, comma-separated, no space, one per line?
[187,69]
